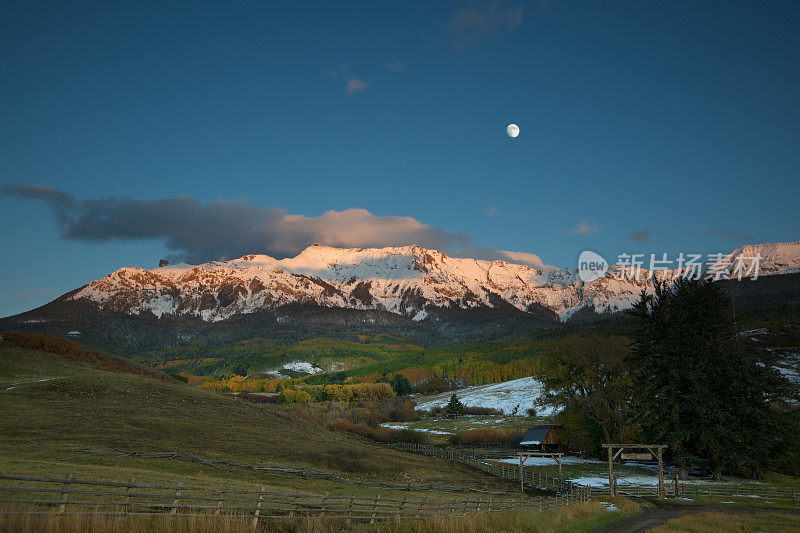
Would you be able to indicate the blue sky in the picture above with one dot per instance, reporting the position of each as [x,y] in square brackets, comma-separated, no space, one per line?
[679,121]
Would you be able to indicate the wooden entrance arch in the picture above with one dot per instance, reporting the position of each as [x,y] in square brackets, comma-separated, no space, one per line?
[655,451]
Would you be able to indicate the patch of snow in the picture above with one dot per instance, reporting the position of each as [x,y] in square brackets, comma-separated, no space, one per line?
[610,507]
[16,384]
[423,430]
[73,333]
[521,394]
[753,332]
[622,481]
[303,367]
[789,373]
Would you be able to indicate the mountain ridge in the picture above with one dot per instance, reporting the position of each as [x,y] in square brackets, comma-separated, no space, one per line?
[408,280]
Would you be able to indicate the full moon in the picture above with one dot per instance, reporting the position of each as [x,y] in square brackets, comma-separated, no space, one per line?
[512,130]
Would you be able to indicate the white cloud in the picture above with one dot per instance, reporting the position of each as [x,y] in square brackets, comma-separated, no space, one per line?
[526,258]
[585,228]
[355,85]
[482,19]
[492,212]
[395,66]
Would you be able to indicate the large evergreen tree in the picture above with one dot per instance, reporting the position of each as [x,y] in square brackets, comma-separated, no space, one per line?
[401,385]
[697,389]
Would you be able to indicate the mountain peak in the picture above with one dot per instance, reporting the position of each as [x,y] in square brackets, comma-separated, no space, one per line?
[408,280]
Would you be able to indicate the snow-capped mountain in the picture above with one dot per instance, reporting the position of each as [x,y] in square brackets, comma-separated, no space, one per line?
[776,258]
[409,281]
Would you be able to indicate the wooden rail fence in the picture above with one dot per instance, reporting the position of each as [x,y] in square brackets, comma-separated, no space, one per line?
[707,490]
[478,457]
[71,495]
[565,490]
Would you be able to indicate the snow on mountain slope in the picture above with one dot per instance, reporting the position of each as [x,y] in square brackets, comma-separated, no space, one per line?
[776,258]
[408,280]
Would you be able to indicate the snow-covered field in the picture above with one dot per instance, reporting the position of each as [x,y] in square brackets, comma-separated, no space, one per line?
[302,366]
[424,430]
[520,394]
[602,481]
[298,368]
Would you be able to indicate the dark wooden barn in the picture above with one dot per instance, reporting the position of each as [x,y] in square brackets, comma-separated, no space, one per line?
[544,438]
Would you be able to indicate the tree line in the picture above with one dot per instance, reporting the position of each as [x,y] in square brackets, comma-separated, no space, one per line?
[682,376]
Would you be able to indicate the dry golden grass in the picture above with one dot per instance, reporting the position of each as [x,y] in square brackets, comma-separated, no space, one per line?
[100,524]
[45,425]
[732,522]
[575,518]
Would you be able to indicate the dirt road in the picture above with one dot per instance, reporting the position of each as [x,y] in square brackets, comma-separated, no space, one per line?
[664,511]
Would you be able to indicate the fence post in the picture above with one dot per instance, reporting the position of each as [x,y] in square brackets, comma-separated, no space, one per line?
[64,491]
[258,506]
[466,506]
[219,503]
[375,510]
[125,500]
[174,509]
[350,507]
[294,502]
[402,506]
[419,511]
[324,501]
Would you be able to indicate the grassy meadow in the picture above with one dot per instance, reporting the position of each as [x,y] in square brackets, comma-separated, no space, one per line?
[44,425]
[712,522]
[582,517]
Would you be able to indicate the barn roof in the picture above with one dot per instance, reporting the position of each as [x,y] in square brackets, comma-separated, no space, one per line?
[535,436]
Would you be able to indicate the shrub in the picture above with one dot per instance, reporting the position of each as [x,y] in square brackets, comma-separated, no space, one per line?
[485,411]
[347,459]
[398,410]
[378,433]
[294,396]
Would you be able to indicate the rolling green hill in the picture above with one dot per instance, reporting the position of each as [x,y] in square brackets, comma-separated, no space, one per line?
[53,407]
